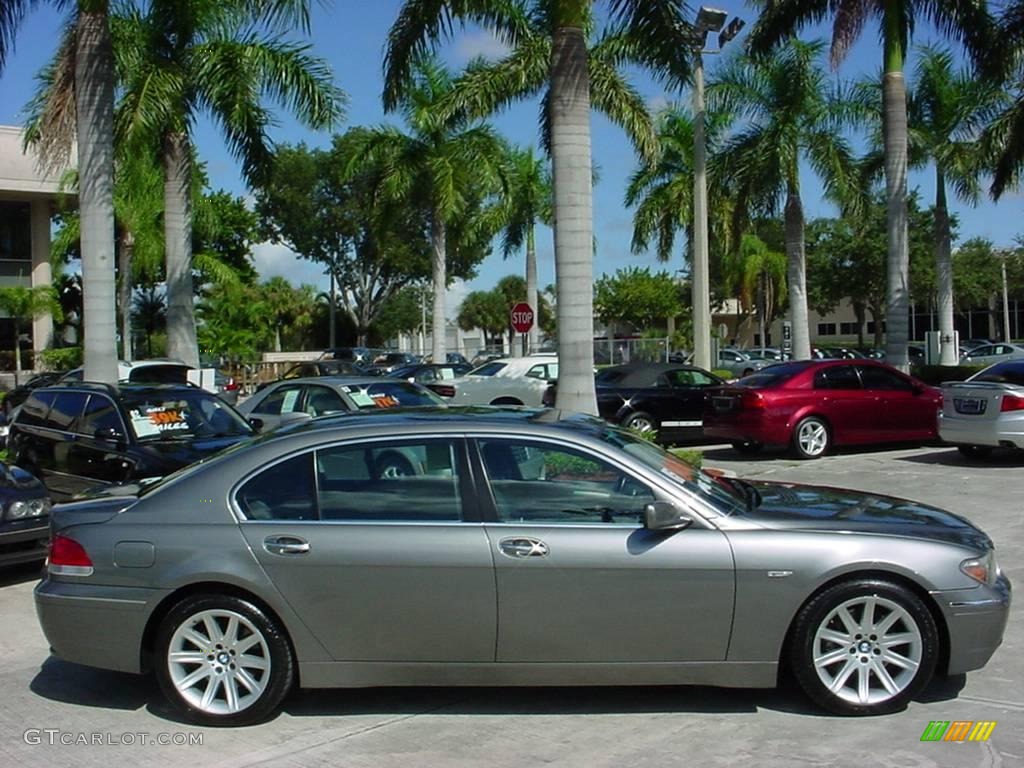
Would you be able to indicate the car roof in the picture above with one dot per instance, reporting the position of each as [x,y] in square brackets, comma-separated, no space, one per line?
[338,380]
[123,387]
[643,374]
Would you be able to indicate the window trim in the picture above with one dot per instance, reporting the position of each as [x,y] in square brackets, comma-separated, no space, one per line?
[465,483]
[117,412]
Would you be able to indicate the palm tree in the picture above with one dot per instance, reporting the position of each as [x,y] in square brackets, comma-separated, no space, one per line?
[180,59]
[87,108]
[149,311]
[947,111]
[527,201]
[789,114]
[20,302]
[757,274]
[446,162]
[1005,134]
[549,49]
[968,22]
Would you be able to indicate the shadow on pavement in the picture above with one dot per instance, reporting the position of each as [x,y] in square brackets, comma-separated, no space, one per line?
[950,457]
[942,688]
[19,574]
[69,683]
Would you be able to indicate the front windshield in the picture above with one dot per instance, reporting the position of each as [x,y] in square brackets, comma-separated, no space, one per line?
[182,414]
[683,474]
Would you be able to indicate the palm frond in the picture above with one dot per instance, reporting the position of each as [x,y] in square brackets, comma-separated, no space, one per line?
[489,87]
[51,126]
[613,95]
[780,20]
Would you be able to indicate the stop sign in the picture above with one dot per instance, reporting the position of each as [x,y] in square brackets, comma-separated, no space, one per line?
[522,317]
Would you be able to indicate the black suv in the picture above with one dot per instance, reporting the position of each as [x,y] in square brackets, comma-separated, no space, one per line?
[79,436]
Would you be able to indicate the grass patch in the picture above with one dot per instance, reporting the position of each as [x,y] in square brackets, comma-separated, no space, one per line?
[689,455]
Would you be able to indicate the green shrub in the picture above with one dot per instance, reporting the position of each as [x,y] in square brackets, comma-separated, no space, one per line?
[936,374]
[62,359]
[724,374]
[690,456]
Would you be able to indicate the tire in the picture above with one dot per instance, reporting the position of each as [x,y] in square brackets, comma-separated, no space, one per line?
[392,464]
[640,421]
[258,683]
[747,447]
[830,650]
[811,438]
[975,451]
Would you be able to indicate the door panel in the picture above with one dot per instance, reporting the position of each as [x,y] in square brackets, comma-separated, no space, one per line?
[850,410]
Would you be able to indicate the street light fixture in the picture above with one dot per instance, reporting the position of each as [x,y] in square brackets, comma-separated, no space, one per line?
[1003,255]
[708,20]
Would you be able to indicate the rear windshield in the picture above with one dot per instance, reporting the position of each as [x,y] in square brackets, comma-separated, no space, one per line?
[487,369]
[610,375]
[1009,372]
[771,376]
[159,374]
[390,394]
[182,415]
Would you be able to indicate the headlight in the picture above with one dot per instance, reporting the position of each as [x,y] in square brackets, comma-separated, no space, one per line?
[981,569]
[18,510]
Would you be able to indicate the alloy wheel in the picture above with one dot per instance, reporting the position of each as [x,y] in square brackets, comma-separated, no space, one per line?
[812,437]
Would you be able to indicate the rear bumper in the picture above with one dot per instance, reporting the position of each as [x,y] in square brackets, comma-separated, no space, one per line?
[992,432]
[24,541]
[976,619]
[95,625]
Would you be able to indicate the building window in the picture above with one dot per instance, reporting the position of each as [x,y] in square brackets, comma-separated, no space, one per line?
[848,329]
[15,232]
[826,329]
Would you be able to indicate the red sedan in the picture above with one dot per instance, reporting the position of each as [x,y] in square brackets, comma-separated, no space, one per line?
[812,405]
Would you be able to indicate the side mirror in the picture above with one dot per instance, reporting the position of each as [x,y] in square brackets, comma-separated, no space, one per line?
[665,516]
[256,424]
[108,433]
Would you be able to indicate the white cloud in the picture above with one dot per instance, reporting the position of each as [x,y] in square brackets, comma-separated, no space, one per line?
[658,103]
[272,260]
[453,298]
[480,43]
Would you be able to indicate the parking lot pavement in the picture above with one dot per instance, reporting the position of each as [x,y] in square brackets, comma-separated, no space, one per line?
[382,728]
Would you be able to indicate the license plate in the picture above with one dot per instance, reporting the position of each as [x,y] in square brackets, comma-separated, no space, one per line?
[969,405]
[722,404]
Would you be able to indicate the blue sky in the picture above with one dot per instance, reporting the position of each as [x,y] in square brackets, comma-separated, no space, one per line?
[350,35]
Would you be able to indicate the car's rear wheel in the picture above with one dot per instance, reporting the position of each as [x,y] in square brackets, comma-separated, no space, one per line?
[975,451]
[748,447]
[223,661]
[864,647]
[811,438]
[641,422]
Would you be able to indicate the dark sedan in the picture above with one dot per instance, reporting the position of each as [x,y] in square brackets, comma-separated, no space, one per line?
[813,405]
[24,517]
[661,397]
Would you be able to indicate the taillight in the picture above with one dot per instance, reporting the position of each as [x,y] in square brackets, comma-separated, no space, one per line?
[68,557]
[752,400]
[231,386]
[1012,403]
[444,390]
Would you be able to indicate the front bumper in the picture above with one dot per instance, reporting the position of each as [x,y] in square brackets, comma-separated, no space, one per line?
[24,541]
[95,625]
[976,619]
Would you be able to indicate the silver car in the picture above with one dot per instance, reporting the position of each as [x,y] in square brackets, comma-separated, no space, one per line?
[739,363]
[987,354]
[986,411]
[524,548]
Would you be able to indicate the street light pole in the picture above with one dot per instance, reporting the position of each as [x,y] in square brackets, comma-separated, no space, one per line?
[1006,299]
[701,277]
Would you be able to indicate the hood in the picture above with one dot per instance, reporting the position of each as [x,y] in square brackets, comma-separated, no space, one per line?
[166,456]
[808,507]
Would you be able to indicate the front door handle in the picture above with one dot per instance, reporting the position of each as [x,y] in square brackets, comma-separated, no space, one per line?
[285,545]
[523,547]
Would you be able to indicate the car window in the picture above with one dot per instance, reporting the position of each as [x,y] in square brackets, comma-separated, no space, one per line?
[390,394]
[610,376]
[159,374]
[282,400]
[65,409]
[1010,372]
[837,377]
[182,414]
[773,376]
[323,400]
[284,491]
[100,413]
[540,483]
[487,369]
[689,378]
[426,375]
[33,411]
[378,482]
[538,372]
[982,351]
[880,378]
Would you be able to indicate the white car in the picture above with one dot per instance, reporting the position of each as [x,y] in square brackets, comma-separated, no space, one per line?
[988,354]
[507,381]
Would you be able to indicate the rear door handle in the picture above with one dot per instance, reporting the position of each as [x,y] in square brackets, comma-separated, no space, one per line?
[523,547]
[286,545]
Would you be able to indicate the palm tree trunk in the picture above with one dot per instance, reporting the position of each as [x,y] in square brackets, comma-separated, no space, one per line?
[332,310]
[439,244]
[124,297]
[17,351]
[181,323]
[894,100]
[533,337]
[796,274]
[94,104]
[949,354]
[574,241]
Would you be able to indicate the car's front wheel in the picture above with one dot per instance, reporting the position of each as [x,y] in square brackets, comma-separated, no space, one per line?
[223,661]
[641,422]
[864,647]
[811,438]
